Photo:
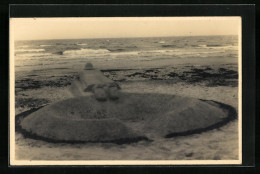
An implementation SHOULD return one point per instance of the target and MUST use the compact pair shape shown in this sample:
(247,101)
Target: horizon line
(127,37)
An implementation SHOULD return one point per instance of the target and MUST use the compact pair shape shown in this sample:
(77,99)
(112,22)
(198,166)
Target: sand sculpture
(93,80)
(112,116)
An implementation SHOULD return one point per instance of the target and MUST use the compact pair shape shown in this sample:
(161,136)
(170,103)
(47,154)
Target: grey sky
(70,28)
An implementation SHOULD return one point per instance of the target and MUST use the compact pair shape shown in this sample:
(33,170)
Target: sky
(81,28)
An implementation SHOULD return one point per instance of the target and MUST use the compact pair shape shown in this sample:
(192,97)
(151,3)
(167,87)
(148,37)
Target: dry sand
(216,82)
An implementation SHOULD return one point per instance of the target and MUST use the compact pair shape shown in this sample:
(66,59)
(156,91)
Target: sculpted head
(88,66)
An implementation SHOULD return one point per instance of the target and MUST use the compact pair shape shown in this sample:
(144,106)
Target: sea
(33,54)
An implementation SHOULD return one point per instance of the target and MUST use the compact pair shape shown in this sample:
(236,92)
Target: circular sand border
(231,115)
(27,134)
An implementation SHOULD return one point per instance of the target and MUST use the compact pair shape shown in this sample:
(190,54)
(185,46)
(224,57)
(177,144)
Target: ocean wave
(45,45)
(160,42)
(125,53)
(225,47)
(170,46)
(97,54)
(58,43)
(179,52)
(80,44)
(24,46)
(85,51)
(122,49)
(28,55)
(30,50)
(166,52)
(214,45)
(116,50)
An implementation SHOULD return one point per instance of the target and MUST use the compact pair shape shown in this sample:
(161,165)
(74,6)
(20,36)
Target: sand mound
(132,116)
(49,124)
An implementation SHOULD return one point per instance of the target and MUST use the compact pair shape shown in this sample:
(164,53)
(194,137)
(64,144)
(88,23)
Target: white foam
(45,45)
(228,47)
(30,50)
(24,46)
(81,44)
(85,52)
(125,53)
(30,55)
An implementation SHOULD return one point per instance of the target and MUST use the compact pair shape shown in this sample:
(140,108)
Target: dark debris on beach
(31,102)
(37,82)
(219,77)
(210,76)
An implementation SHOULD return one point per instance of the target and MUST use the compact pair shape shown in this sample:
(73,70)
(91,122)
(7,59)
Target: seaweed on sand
(222,77)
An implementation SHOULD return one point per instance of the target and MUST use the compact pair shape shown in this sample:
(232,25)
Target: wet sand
(218,82)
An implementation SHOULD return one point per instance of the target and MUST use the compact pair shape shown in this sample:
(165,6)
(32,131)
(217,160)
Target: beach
(216,81)
(201,67)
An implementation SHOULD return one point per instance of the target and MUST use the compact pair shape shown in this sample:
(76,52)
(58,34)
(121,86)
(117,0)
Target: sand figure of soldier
(93,80)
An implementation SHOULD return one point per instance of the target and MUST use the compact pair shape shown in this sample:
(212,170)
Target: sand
(216,82)
(132,116)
